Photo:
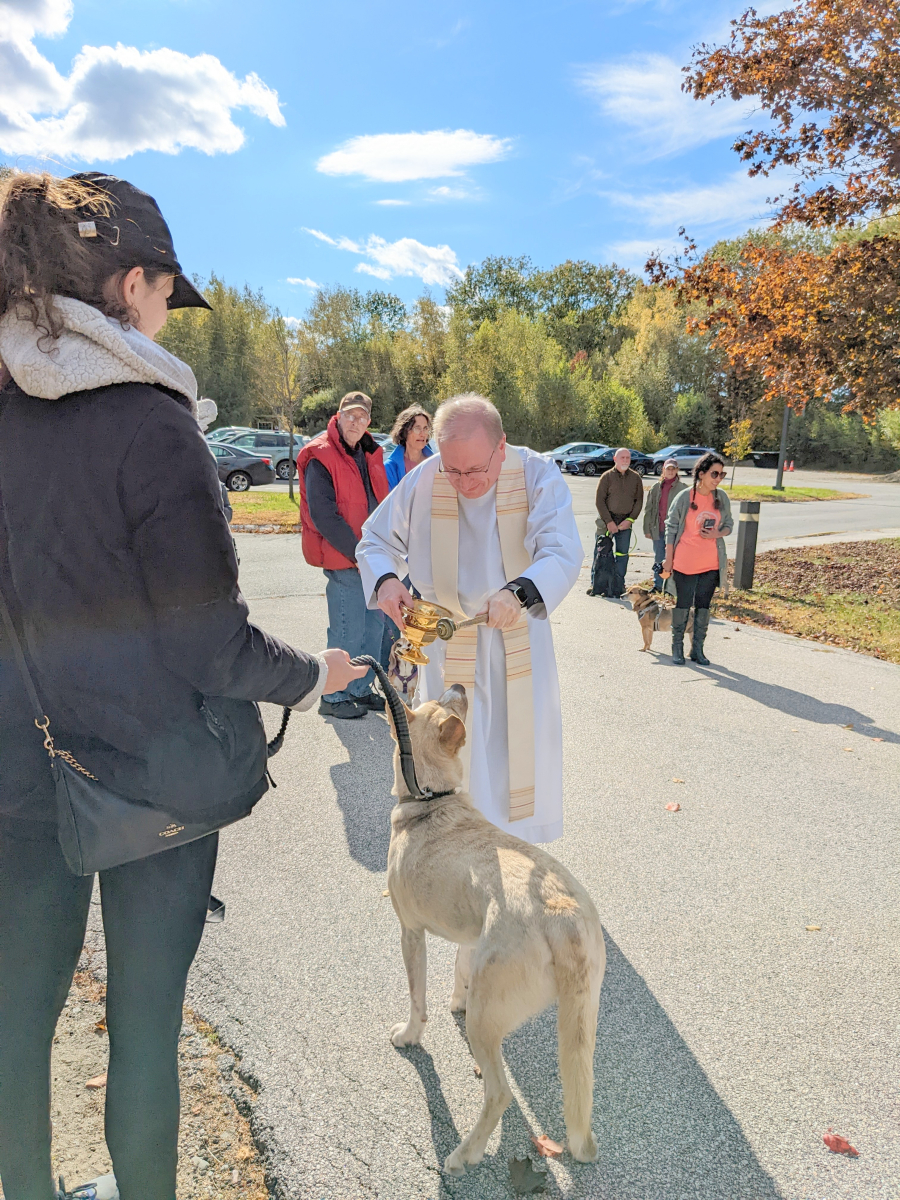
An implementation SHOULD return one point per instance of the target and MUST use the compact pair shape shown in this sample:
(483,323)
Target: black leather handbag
(98,829)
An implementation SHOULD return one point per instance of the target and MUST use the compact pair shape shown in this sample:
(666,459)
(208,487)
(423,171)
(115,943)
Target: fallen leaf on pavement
(877,739)
(385,892)
(546,1146)
(99,1081)
(814,929)
(524,1179)
(197,1110)
(673,807)
(839,1145)
(675,779)
(847,726)
(848,749)
(101,1025)
(477,1070)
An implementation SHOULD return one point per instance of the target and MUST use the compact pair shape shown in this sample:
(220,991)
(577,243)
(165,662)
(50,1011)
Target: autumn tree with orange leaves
(824,321)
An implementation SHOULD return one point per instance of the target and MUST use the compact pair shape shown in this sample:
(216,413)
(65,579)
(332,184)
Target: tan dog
(653,615)
(527,931)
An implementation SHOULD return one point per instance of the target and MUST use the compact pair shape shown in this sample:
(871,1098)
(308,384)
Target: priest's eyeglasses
(476,471)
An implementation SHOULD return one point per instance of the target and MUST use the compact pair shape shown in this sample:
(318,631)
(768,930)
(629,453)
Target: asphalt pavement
(731,1037)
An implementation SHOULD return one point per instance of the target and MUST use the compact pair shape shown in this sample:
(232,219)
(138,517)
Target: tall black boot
(679,624)
(701,624)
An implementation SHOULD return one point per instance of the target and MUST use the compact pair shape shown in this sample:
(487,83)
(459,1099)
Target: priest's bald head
(472,444)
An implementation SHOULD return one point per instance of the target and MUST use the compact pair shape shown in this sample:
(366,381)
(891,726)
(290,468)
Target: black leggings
(153,916)
(695,591)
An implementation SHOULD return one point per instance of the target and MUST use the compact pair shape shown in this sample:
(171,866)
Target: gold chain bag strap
(98,829)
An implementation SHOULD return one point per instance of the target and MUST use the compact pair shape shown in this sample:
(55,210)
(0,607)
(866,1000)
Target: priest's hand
(391,595)
(503,610)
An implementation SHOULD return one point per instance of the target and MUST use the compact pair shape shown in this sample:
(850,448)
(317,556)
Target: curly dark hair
(42,255)
(700,469)
(405,421)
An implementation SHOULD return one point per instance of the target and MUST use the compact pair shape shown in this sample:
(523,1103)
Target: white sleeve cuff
(318,688)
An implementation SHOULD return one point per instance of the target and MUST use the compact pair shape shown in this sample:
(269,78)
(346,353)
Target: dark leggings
(695,591)
(153,916)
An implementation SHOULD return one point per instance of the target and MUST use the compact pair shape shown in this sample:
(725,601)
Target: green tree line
(579,351)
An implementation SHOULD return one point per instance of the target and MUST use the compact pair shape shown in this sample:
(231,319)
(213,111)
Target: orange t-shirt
(695,554)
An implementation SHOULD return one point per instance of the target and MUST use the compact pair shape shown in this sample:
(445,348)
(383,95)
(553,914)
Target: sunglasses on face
(716,474)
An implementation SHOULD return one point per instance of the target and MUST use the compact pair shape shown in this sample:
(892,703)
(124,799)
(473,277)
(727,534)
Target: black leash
(278,740)
(401,728)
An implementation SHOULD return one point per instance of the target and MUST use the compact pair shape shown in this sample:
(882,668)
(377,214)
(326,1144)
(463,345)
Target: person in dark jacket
(342,480)
(119,574)
(619,499)
(410,435)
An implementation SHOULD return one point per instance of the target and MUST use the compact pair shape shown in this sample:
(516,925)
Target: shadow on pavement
(663,1131)
(796,704)
(362,788)
(444,1135)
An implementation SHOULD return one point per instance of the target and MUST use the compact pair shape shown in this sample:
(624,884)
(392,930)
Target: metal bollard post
(745,556)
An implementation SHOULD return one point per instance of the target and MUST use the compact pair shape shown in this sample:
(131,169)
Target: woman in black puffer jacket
(118,569)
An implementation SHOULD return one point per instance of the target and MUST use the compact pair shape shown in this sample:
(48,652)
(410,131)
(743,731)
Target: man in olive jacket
(620,497)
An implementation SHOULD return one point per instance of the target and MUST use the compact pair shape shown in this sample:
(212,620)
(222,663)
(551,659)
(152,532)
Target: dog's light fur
(527,931)
(653,615)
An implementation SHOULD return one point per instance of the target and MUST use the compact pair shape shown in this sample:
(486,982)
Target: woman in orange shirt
(696,526)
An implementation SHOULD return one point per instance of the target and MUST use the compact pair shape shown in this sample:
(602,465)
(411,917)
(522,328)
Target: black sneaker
(371,701)
(344,710)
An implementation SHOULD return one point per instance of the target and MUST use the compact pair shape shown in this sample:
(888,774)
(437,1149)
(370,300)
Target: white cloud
(310,283)
(116,100)
(393,203)
(451,193)
(643,94)
(737,199)
(293,322)
(635,253)
(437,265)
(400,157)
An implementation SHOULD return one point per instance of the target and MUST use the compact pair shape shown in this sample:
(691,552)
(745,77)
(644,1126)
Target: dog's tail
(579,974)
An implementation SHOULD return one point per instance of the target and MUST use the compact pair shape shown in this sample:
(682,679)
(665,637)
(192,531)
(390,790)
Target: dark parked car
(687,456)
(599,461)
(270,443)
(239,470)
(765,458)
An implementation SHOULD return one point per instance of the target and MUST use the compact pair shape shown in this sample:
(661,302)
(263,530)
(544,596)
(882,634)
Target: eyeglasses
(458,476)
(716,474)
(356,415)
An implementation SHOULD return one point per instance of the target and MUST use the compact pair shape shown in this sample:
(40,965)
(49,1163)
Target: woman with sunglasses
(697,523)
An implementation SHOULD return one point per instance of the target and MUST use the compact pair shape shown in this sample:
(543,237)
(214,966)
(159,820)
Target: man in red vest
(342,480)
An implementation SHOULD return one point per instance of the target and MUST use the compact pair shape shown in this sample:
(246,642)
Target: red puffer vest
(349,492)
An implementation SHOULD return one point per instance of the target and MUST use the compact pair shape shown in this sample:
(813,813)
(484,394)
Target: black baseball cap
(135,234)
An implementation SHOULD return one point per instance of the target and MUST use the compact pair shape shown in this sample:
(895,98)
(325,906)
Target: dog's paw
(404,1035)
(584,1150)
(458,1002)
(455,1164)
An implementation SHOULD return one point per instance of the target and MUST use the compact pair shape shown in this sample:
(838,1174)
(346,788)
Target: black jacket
(117,563)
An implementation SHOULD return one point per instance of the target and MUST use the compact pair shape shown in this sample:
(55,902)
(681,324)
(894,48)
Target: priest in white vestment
(486,527)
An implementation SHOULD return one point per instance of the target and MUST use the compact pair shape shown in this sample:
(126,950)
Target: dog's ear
(453,734)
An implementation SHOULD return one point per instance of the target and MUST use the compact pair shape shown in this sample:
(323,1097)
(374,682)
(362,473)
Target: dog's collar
(427,795)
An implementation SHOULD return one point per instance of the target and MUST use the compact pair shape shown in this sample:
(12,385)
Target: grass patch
(844,594)
(748,492)
(265,508)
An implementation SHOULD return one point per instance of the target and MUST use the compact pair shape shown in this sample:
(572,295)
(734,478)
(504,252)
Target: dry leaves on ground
(673,807)
(839,1145)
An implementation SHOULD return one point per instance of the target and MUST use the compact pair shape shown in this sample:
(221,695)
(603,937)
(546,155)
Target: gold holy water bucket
(423,623)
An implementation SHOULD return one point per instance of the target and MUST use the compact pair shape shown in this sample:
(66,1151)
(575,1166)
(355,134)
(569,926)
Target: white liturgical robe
(397,537)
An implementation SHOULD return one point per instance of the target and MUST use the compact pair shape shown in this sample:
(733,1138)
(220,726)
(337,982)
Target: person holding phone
(697,523)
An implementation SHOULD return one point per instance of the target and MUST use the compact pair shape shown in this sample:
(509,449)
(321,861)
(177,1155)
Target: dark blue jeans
(659,556)
(353,627)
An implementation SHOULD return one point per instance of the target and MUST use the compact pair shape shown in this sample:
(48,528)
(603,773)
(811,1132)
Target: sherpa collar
(91,351)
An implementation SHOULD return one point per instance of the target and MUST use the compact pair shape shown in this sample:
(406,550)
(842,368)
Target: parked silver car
(563,452)
(686,456)
(271,443)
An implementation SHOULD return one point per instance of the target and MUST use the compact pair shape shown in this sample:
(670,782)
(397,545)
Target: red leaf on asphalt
(839,1145)
(546,1147)
(99,1081)
(673,807)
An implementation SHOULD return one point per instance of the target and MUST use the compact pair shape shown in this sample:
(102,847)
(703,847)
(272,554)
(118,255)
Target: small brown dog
(654,613)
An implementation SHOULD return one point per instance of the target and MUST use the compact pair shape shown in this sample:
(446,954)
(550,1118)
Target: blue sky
(383,144)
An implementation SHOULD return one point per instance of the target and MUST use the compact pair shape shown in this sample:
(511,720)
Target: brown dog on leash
(653,613)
